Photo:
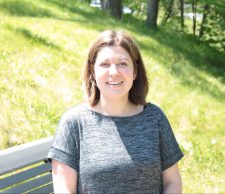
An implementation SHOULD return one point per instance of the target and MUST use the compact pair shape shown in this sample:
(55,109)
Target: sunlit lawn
(43,45)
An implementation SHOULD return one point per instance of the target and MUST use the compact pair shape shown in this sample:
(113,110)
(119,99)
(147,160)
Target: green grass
(43,45)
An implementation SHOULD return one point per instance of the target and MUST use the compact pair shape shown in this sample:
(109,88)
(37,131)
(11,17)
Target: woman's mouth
(114,83)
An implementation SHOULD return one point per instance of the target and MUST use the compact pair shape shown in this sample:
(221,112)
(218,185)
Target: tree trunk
(168,11)
(182,14)
(152,13)
(194,6)
(204,20)
(101,3)
(113,6)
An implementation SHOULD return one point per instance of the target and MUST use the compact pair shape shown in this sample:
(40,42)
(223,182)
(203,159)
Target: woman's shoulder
(153,107)
(75,112)
(154,110)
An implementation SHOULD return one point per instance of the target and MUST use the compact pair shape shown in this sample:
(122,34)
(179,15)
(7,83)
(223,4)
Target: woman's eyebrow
(105,60)
(123,58)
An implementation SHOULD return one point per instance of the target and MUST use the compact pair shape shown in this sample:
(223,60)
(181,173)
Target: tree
(168,6)
(204,20)
(194,11)
(138,8)
(152,13)
(213,24)
(113,6)
(182,14)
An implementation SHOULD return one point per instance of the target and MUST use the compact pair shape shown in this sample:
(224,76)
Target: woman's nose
(113,70)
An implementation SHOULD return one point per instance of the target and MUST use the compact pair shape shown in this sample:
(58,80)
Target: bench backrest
(25,169)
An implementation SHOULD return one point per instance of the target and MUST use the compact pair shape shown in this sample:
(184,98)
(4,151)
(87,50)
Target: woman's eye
(123,64)
(104,65)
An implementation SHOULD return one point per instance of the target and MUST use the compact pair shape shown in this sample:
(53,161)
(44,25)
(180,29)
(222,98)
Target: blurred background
(44,43)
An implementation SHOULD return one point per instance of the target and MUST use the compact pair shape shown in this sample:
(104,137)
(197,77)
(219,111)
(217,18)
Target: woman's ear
(134,77)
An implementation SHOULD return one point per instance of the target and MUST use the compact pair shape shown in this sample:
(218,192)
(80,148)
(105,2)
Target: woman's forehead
(112,52)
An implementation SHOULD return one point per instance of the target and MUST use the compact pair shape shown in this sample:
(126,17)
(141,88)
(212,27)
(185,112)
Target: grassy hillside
(43,45)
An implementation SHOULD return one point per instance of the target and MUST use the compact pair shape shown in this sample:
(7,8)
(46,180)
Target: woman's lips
(114,83)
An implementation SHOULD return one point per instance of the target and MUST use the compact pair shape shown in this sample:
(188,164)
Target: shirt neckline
(118,117)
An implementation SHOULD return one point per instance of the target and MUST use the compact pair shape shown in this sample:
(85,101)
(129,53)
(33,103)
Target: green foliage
(213,33)
(214,27)
(43,45)
(138,8)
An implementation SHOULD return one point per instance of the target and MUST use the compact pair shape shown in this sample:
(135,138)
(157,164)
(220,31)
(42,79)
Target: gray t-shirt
(116,154)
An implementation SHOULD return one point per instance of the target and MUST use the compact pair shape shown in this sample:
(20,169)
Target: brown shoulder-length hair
(139,89)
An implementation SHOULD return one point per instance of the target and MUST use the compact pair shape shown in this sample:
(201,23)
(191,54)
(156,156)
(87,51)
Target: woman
(116,142)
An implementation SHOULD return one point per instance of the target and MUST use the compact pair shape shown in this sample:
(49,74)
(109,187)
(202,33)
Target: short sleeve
(65,146)
(169,148)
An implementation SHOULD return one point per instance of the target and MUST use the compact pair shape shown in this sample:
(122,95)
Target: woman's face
(114,72)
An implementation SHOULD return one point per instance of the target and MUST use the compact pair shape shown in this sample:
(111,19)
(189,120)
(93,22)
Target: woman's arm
(64,178)
(172,182)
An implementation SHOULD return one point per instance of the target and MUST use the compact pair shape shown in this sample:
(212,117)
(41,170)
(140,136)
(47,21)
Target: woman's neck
(117,108)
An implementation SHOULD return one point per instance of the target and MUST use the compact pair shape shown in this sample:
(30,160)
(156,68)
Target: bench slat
(46,189)
(23,155)
(25,175)
(27,186)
